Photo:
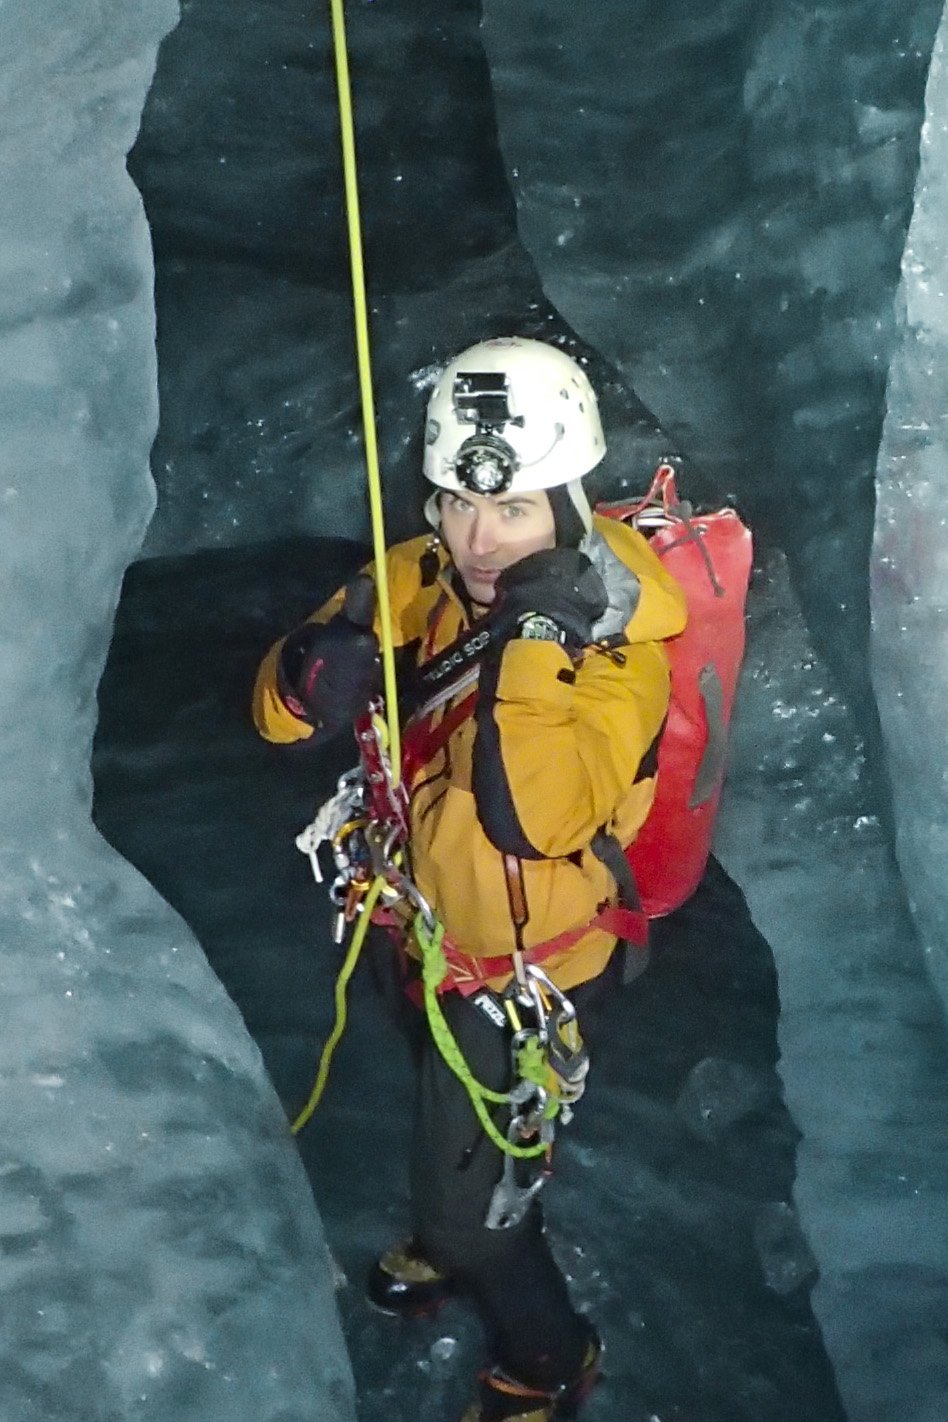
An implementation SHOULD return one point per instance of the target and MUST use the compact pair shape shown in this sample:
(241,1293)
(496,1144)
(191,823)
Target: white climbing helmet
(511,413)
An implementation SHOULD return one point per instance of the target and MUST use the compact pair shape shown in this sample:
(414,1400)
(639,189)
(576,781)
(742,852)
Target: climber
(520,799)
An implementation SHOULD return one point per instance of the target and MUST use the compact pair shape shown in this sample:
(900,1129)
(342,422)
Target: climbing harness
(362,822)
(539,1095)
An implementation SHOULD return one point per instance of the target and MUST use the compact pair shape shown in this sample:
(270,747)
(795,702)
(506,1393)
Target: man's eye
(514,510)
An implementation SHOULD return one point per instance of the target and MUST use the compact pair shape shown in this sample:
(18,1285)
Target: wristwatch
(537,627)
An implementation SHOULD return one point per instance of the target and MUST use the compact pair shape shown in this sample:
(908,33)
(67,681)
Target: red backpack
(709,555)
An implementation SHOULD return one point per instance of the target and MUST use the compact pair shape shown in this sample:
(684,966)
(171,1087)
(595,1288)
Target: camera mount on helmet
(485,463)
(511,414)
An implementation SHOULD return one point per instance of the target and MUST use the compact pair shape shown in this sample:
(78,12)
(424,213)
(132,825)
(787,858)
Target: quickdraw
(365,824)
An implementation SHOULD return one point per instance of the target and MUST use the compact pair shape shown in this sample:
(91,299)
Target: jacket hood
(646,604)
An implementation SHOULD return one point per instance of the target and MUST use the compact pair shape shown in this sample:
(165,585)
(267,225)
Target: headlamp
(485,463)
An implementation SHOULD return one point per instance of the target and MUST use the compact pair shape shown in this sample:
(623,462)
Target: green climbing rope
(433,970)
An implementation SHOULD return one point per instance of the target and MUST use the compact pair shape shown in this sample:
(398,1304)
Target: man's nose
(483,539)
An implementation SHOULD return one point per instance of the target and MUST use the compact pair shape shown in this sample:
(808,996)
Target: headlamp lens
(486,464)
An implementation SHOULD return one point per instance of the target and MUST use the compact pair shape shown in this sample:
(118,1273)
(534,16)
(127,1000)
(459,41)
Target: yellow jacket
(559,751)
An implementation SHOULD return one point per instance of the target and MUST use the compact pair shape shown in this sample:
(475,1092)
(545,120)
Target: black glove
(329,672)
(559,584)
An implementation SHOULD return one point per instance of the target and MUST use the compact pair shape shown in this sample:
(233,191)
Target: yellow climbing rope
(363,355)
(342,983)
(430,943)
(364,361)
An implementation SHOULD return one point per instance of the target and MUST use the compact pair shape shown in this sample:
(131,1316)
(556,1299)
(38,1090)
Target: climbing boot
(403,1282)
(502,1399)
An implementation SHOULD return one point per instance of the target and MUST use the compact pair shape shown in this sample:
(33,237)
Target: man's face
(485,533)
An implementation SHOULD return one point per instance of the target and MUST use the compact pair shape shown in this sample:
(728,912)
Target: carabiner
(538,978)
(410,891)
(510,1201)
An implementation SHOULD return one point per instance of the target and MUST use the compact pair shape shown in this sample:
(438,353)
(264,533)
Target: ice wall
(238,162)
(722,216)
(724,213)
(910,554)
(160,1256)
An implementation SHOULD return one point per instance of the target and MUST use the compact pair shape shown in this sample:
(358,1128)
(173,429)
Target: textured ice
(910,554)
(785,1256)
(260,432)
(659,1228)
(722,215)
(719,1093)
(160,1256)
(735,182)
(678,1239)
(862,1033)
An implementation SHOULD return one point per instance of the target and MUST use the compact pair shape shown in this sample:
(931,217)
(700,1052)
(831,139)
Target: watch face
(539,628)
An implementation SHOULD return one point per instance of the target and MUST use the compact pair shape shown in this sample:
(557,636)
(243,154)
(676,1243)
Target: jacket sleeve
(272,717)
(558,746)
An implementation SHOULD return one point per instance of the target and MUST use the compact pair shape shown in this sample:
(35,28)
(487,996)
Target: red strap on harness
(467,972)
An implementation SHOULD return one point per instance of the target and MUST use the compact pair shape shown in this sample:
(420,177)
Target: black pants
(535,1333)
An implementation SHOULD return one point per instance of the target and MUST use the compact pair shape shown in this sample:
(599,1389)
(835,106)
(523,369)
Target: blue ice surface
(863,1040)
(160,1255)
(909,570)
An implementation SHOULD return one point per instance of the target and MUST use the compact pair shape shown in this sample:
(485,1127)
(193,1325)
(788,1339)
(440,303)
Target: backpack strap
(635,920)
(422,741)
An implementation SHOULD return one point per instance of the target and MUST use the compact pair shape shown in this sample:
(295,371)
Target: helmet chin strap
(432,510)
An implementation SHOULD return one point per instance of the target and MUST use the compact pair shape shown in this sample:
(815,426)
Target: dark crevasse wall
(160,1254)
(238,161)
(711,206)
(835,100)
(689,186)
(723,216)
